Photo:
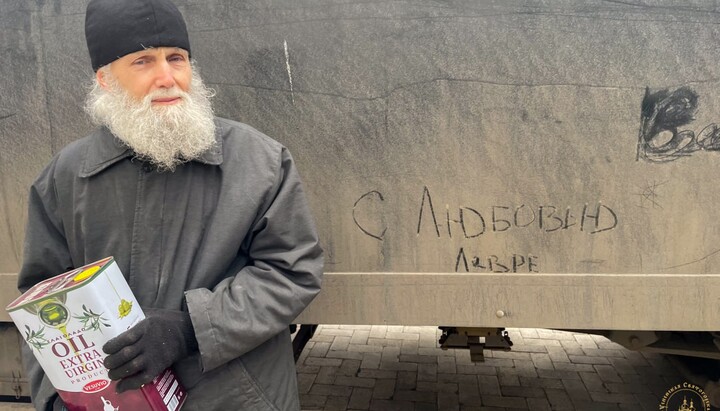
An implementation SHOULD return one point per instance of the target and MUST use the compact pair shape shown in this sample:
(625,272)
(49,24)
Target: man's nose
(164,76)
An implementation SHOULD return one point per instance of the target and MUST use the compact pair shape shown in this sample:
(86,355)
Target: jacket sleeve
(283,276)
(45,254)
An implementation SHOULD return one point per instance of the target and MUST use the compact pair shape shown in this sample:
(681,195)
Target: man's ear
(100,75)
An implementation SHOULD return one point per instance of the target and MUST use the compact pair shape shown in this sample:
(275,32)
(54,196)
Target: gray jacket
(229,234)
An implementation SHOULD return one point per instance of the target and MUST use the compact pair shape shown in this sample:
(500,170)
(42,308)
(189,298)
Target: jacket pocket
(254,393)
(228,387)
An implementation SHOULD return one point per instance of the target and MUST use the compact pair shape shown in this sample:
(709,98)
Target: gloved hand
(144,351)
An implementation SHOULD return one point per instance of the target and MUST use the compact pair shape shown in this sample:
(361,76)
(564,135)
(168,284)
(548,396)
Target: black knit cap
(114,28)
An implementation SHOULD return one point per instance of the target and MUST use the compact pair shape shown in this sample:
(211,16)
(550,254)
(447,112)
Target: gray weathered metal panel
(685,302)
(507,112)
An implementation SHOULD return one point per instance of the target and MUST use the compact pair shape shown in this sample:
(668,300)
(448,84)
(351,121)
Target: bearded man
(206,218)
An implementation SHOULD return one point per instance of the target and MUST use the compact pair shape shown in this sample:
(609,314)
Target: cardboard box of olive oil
(67,319)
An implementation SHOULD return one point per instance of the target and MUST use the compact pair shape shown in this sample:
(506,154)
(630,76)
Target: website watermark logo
(685,397)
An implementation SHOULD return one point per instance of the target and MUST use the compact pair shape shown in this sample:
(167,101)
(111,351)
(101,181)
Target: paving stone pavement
(400,368)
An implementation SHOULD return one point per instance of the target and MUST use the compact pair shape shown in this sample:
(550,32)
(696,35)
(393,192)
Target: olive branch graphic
(91,320)
(36,338)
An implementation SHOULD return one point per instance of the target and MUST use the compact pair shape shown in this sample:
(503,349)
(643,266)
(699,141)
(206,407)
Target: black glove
(144,351)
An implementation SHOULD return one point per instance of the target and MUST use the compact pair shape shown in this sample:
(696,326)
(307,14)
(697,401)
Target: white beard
(166,136)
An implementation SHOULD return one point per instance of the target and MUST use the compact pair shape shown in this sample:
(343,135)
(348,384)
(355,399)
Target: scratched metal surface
(401,114)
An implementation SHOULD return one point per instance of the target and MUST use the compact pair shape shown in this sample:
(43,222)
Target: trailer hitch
(470,337)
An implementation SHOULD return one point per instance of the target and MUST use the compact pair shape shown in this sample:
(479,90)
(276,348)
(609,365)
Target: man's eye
(139,62)
(177,58)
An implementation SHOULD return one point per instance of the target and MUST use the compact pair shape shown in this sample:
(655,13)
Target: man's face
(156,103)
(146,71)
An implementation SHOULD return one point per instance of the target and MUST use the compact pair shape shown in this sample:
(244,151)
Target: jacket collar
(105,150)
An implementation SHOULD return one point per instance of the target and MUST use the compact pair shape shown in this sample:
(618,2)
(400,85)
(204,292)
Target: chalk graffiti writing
(662,114)
(494,264)
(369,196)
(472,223)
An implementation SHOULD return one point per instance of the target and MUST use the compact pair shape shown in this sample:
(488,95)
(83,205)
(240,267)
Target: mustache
(173,92)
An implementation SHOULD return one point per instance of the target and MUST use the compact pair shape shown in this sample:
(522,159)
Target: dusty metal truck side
(471,164)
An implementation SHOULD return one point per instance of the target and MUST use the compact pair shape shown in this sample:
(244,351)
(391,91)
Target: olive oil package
(67,319)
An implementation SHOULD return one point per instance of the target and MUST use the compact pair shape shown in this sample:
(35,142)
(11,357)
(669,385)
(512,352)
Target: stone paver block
(541,382)
(425,406)
(585,341)
(326,375)
(499,362)
(542,342)
(593,382)
(557,354)
(384,342)
(355,328)
(360,337)
(448,401)
(409,347)
(437,386)
(383,389)
(559,400)
(446,365)
(355,381)
(340,343)
(507,402)
(581,359)
(628,388)
(529,332)
(390,354)
(427,372)
(323,362)
(320,349)
(378,331)
(337,332)
(613,397)
(305,382)
(597,352)
(406,380)
(538,404)
(377,374)
(568,366)
(415,396)
(365,348)
(336,403)
(541,349)
(527,392)
(576,390)
(349,367)
(513,355)
(370,360)
(607,373)
(312,402)
(622,366)
(436,351)
(344,355)
(386,405)
(398,366)
(508,379)
(475,369)
(420,359)
(458,378)
(334,390)
(360,398)
(489,384)
(542,361)
(307,369)
(560,374)
(402,336)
